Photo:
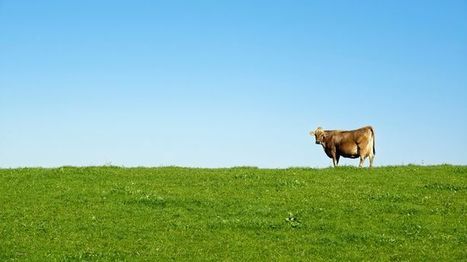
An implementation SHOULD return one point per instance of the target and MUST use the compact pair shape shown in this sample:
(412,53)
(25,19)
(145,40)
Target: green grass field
(239,214)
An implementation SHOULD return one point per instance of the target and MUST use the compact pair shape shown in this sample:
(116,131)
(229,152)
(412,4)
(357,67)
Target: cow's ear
(312,133)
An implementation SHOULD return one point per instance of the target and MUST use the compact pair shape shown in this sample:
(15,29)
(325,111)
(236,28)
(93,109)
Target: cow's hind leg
(371,160)
(362,158)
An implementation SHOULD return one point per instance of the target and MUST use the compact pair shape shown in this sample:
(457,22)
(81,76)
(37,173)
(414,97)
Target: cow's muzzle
(317,142)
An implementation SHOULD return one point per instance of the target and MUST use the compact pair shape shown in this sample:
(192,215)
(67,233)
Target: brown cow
(350,144)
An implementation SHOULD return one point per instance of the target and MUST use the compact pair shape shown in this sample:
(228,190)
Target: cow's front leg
(335,159)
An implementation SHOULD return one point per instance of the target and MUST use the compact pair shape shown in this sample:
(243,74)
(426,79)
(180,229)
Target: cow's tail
(373,134)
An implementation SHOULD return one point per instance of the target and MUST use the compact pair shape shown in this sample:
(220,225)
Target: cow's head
(319,135)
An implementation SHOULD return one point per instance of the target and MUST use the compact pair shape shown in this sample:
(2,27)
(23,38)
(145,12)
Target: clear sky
(229,83)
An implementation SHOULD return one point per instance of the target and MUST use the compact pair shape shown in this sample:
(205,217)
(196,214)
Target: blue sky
(229,83)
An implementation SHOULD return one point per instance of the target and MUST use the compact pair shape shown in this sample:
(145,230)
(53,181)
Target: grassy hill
(111,213)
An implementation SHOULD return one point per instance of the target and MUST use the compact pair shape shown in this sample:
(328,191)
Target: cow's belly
(349,150)
(350,156)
